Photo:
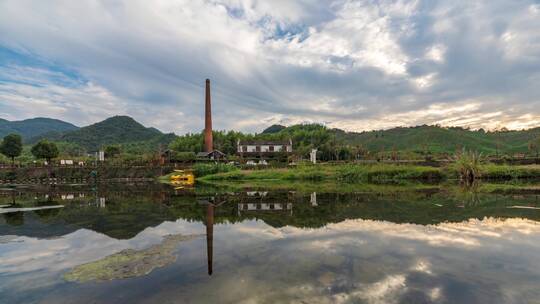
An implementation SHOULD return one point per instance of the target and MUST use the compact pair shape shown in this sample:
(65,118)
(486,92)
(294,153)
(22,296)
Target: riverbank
(376,173)
(80,174)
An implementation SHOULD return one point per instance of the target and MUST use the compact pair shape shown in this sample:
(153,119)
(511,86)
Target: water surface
(154,244)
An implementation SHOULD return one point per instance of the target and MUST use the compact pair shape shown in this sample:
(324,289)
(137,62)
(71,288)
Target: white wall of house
(263,148)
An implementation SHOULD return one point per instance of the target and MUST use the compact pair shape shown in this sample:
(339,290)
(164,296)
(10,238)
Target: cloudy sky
(357,65)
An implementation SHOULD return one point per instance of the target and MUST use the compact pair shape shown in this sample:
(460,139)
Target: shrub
(183,156)
(468,165)
(201,169)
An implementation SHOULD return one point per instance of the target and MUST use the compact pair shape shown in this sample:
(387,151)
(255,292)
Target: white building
(263,148)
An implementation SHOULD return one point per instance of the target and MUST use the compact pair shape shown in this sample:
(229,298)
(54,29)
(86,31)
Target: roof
(205,154)
(264,142)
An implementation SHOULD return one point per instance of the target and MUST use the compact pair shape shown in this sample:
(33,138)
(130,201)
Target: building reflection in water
(256,201)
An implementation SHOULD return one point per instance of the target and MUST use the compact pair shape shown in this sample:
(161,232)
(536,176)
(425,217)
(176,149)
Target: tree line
(304,137)
(334,144)
(12,147)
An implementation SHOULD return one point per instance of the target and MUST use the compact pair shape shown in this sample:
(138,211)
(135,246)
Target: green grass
(203,169)
(346,173)
(506,172)
(385,173)
(376,173)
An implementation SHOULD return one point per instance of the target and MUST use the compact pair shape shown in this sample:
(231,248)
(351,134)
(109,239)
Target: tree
(45,149)
(11,146)
(534,146)
(112,151)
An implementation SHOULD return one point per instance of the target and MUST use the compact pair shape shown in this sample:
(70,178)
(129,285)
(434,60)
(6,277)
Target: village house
(263,149)
(213,155)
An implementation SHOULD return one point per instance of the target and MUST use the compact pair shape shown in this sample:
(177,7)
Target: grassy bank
(506,172)
(376,173)
(347,173)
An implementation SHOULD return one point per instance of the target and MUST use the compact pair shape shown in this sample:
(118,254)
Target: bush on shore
(203,169)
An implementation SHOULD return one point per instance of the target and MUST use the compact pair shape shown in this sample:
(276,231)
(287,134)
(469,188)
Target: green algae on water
(129,263)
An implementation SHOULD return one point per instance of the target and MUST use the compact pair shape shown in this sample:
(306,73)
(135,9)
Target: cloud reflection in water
(352,261)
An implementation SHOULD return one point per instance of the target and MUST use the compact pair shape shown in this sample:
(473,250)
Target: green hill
(419,139)
(442,140)
(117,130)
(273,129)
(30,128)
(339,144)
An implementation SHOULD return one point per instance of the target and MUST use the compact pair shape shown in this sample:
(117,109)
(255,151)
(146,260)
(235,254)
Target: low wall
(80,175)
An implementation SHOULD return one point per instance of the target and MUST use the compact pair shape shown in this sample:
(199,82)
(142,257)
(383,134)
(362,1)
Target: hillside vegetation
(405,142)
(442,140)
(29,128)
(117,130)
(332,144)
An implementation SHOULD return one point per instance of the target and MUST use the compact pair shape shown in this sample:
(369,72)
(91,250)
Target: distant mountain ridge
(111,131)
(434,139)
(33,127)
(273,129)
(136,138)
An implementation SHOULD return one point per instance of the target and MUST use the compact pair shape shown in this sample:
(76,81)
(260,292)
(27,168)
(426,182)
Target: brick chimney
(208,140)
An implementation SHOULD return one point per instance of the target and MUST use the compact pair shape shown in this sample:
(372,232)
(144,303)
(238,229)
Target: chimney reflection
(210,235)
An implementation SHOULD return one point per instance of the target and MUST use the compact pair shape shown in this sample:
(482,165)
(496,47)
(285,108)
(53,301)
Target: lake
(152,243)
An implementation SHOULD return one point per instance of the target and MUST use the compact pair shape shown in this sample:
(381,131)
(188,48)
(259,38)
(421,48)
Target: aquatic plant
(468,165)
(129,263)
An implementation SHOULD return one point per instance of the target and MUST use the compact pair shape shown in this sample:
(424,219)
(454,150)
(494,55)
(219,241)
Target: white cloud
(31,93)
(436,52)
(343,62)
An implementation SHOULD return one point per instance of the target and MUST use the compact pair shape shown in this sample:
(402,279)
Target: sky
(351,64)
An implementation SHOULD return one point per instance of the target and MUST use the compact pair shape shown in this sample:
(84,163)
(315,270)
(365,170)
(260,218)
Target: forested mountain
(339,144)
(273,129)
(332,143)
(117,130)
(33,127)
(443,140)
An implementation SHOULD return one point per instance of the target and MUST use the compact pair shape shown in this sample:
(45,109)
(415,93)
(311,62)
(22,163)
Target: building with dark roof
(213,155)
(263,149)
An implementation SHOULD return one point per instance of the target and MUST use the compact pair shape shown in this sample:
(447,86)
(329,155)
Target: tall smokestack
(208,141)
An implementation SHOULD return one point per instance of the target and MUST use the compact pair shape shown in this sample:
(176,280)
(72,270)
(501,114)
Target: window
(271,148)
(244,148)
(258,149)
